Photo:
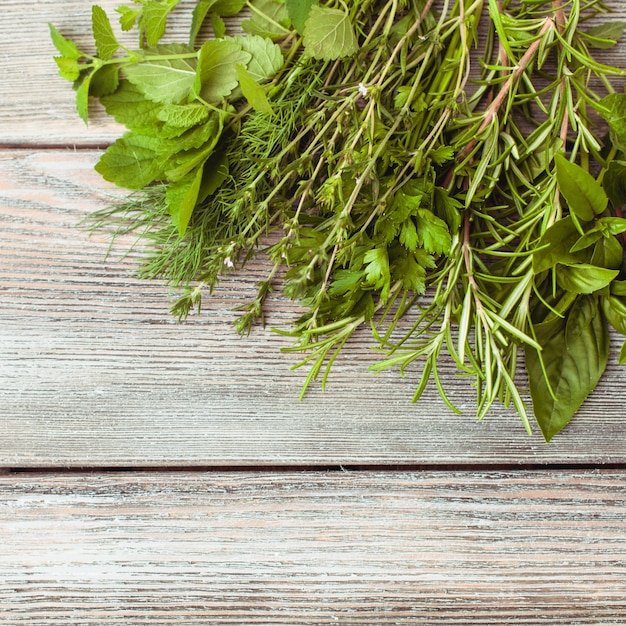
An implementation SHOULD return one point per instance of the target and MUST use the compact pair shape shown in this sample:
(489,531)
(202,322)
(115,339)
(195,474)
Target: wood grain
(28,70)
(523,548)
(95,372)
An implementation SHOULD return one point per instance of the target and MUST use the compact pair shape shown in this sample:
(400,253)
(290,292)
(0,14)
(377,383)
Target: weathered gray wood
(37,106)
(523,548)
(94,371)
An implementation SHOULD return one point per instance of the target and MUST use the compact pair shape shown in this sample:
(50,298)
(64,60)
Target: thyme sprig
(395,176)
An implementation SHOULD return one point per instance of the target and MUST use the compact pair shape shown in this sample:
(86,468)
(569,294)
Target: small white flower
(228,263)
(363,90)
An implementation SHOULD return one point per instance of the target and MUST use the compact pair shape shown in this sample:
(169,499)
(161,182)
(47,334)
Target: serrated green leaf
(266,58)
(328,34)
(216,170)
(216,76)
(181,198)
(218,25)
(432,232)
(82,98)
(377,270)
(412,274)
(68,68)
(105,81)
(217,9)
(183,115)
(106,42)
(168,81)
(154,19)
(298,11)
(128,17)
(66,47)
(129,106)
(252,91)
(408,235)
(574,363)
(613,109)
(584,194)
(132,161)
(268,18)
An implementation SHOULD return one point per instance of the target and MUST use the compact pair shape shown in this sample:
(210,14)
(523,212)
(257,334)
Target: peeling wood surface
(523,548)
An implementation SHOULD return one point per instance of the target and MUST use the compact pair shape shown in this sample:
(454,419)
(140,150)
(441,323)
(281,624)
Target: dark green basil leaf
(583,277)
(608,253)
(614,309)
(584,194)
(556,246)
(574,358)
(614,183)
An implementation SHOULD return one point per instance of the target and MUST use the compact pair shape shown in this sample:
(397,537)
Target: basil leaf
(614,183)
(584,194)
(614,309)
(583,277)
(574,359)
(556,246)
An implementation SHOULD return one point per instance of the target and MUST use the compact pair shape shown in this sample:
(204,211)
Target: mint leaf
(66,47)
(154,19)
(298,11)
(68,68)
(268,19)
(574,357)
(132,161)
(328,34)
(252,91)
(217,8)
(216,171)
(584,194)
(105,81)
(183,115)
(169,81)
(216,76)
(128,17)
(266,57)
(106,43)
(82,98)
(181,198)
(129,106)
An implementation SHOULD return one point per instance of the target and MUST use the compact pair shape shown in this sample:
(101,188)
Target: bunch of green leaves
(346,143)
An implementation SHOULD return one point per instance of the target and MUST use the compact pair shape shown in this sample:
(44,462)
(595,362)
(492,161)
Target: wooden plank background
(226,527)
(523,548)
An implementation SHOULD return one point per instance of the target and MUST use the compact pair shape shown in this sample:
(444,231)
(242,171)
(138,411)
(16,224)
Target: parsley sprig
(464,205)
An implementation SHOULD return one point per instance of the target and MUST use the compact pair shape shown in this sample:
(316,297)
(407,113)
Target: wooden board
(523,548)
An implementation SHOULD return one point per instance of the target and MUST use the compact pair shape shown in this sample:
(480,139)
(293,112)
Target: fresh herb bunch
(395,177)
